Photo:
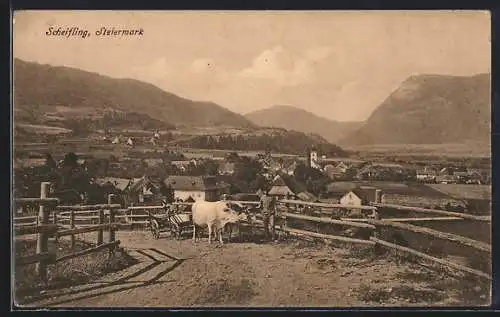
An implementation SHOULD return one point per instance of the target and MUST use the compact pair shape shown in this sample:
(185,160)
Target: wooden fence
(47,225)
(374,223)
(93,218)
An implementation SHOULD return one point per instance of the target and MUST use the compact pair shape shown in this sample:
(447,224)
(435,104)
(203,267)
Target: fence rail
(390,245)
(72,220)
(434,233)
(433,211)
(46,225)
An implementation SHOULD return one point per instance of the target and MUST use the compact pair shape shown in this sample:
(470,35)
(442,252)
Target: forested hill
(68,92)
(287,142)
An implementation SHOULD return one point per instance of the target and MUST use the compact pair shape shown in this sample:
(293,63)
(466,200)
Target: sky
(339,65)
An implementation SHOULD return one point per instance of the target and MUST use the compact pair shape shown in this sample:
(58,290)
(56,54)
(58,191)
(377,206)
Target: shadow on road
(124,281)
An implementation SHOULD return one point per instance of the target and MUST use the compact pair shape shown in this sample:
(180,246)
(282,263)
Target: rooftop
(191,183)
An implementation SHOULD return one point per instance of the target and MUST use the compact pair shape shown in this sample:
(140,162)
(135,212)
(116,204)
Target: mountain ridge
(52,86)
(294,118)
(430,109)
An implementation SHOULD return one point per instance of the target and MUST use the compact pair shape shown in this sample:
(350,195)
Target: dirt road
(173,273)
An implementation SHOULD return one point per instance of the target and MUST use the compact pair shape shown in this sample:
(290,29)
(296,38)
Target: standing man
(268,211)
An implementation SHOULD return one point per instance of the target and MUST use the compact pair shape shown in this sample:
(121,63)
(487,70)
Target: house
(153,162)
(359,196)
(195,187)
(461,177)
(121,184)
(226,168)
(426,174)
(386,172)
(181,165)
(143,190)
(334,172)
(446,179)
(130,142)
(116,140)
(355,198)
(445,171)
(336,190)
(274,165)
(286,187)
(306,196)
(343,167)
(290,169)
(280,189)
(477,176)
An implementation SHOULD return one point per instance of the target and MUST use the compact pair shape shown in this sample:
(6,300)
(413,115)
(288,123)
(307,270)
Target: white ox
(214,215)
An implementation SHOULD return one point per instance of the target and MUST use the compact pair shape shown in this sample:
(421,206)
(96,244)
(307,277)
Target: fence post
(101,222)
(42,245)
(54,220)
(72,226)
(111,220)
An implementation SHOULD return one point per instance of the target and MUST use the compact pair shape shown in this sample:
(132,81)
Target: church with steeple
(312,158)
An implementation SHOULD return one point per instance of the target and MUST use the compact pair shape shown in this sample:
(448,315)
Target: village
(151,171)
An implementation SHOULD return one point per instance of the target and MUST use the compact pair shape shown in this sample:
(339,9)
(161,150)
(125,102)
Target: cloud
(285,68)
(202,65)
(319,53)
(154,71)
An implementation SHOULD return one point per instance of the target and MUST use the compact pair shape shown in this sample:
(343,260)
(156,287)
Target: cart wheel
(155,229)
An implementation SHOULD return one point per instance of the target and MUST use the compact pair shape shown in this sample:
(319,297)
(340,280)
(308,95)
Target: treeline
(290,142)
(113,119)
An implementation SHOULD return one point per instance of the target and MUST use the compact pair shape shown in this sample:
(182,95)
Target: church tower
(312,158)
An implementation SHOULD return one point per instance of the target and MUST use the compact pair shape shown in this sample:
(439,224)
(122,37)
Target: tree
(50,162)
(70,160)
(167,191)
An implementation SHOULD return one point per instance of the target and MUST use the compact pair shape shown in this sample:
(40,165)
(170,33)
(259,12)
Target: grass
(430,284)
(223,291)
(470,149)
(72,272)
(401,293)
(462,191)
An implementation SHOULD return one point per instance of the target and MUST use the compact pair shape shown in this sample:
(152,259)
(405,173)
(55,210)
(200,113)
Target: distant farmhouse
(134,191)
(285,187)
(226,168)
(411,194)
(359,196)
(194,188)
(184,165)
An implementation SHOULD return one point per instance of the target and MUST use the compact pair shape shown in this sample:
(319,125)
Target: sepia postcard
(184,159)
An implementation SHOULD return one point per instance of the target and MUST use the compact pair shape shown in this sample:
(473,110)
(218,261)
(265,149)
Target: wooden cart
(175,223)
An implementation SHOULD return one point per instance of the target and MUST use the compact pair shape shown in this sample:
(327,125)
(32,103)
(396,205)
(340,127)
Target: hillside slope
(430,109)
(293,118)
(275,140)
(64,90)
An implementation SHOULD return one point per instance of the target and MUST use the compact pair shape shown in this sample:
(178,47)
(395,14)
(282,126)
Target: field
(464,191)
(43,129)
(104,150)
(468,150)
(251,274)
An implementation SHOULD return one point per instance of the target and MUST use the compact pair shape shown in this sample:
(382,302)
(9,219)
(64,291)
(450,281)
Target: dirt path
(173,273)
